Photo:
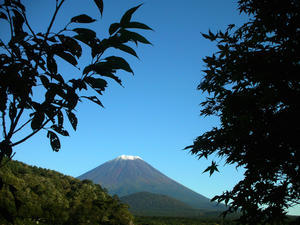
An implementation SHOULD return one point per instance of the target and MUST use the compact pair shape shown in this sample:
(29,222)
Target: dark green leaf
(212,168)
(60,118)
(70,45)
(73,119)
(94,99)
(113,28)
(126,48)
(99,4)
(137,25)
(60,130)
(119,63)
(85,32)
(51,64)
(83,18)
(68,57)
(104,69)
(18,21)
(12,111)
(54,141)
(128,14)
(85,39)
(37,120)
(132,36)
(78,83)
(88,69)
(97,83)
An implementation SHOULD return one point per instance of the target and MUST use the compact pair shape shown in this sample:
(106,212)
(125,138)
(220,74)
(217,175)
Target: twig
(30,135)
(22,126)
(53,18)
(10,22)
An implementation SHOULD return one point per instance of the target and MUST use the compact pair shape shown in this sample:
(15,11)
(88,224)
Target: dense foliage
(33,92)
(253,84)
(29,195)
(150,204)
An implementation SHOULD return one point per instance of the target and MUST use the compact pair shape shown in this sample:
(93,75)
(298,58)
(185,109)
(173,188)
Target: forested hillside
(149,204)
(31,195)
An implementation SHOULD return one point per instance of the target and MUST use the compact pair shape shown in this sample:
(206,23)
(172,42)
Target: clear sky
(157,113)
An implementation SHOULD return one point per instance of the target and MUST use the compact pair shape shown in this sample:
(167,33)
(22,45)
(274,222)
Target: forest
(31,195)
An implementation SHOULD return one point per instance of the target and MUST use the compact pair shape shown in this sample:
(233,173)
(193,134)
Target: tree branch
(53,18)
(22,126)
(30,135)
(14,123)
(10,22)
(27,23)
(37,130)
(4,125)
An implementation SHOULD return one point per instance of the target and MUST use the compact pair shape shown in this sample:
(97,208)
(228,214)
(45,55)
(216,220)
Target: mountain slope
(149,204)
(130,174)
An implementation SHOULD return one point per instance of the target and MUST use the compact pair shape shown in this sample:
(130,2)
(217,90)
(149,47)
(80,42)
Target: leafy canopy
(254,87)
(28,67)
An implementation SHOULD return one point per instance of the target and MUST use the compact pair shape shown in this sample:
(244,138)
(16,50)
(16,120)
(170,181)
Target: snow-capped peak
(128,157)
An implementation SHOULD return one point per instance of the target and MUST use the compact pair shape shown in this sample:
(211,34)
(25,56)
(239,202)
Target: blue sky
(157,113)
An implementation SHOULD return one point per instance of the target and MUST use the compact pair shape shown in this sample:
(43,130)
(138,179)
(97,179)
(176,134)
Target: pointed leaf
(99,4)
(85,32)
(60,130)
(54,141)
(12,111)
(127,49)
(37,120)
(128,14)
(129,35)
(70,45)
(68,57)
(73,119)
(138,25)
(51,64)
(119,63)
(113,28)
(97,83)
(83,18)
(93,99)
(60,118)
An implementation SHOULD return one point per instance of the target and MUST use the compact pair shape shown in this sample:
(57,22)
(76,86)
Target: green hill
(31,195)
(149,204)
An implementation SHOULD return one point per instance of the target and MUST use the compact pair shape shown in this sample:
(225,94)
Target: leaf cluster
(253,85)
(32,89)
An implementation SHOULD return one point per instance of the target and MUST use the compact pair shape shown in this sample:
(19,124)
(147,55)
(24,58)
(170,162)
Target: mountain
(149,204)
(126,175)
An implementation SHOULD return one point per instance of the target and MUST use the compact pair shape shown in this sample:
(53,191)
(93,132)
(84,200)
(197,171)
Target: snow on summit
(128,157)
